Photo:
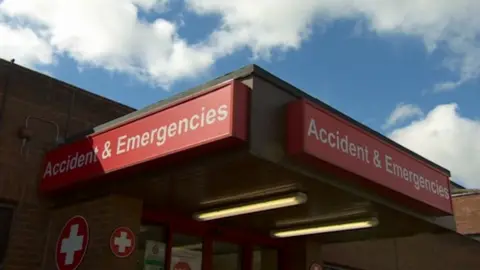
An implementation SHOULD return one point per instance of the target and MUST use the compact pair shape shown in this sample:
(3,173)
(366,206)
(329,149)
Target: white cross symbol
(72,244)
(122,242)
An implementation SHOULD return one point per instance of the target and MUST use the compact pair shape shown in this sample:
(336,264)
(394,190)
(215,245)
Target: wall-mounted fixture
(26,133)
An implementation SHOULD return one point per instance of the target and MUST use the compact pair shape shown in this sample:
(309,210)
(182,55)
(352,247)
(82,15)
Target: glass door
(172,243)
(265,259)
(226,256)
(151,247)
(186,252)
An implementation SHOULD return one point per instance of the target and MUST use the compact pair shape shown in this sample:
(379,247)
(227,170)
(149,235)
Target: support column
(103,215)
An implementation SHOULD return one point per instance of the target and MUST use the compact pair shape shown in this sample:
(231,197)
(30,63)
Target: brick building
(87,183)
(466,205)
(46,111)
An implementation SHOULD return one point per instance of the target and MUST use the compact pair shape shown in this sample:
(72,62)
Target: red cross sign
(72,244)
(122,242)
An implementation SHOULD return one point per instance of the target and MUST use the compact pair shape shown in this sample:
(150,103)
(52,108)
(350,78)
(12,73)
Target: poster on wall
(154,258)
(183,259)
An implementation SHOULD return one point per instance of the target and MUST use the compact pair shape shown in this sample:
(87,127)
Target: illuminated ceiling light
(247,208)
(347,226)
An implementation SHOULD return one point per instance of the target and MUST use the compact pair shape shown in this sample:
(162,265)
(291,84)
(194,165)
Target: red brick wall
(73,110)
(467,213)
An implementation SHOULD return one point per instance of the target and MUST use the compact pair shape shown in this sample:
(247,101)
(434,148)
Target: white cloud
(24,45)
(110,34)
(447,138)
(452,26)
(401,113)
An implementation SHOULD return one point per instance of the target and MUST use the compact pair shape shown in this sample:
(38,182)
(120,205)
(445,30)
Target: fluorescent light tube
(274,203)
(354,225)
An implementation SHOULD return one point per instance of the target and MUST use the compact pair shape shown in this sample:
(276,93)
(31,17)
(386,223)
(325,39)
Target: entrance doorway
(167,241)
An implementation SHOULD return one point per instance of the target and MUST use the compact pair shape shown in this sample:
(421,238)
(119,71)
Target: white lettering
(55,168)
(222,113)
(202,117)
(194,122)
(133,142)
(211,116)
(80,161)
(419,182)
(120,144)
(48,170)
(388,164)
(72,164)
(172,129)
(312,129)
(145,139)
(345,144)
(152,137)
(323,135)
(63,166)
(130,142)
(331,140)
(182,126)
(161,136)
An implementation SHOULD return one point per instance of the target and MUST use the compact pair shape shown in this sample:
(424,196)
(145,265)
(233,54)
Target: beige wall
(423,252)
(103,215)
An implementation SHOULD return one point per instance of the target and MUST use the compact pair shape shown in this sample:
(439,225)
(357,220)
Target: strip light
(354,225)
(279,202)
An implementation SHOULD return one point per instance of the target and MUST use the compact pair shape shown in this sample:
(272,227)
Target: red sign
(315,266)
(181,266)
(122,242)
(219,114)
(315,132)
(72,244)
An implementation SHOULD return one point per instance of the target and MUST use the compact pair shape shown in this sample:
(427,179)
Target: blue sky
(372,60)
(363,76)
